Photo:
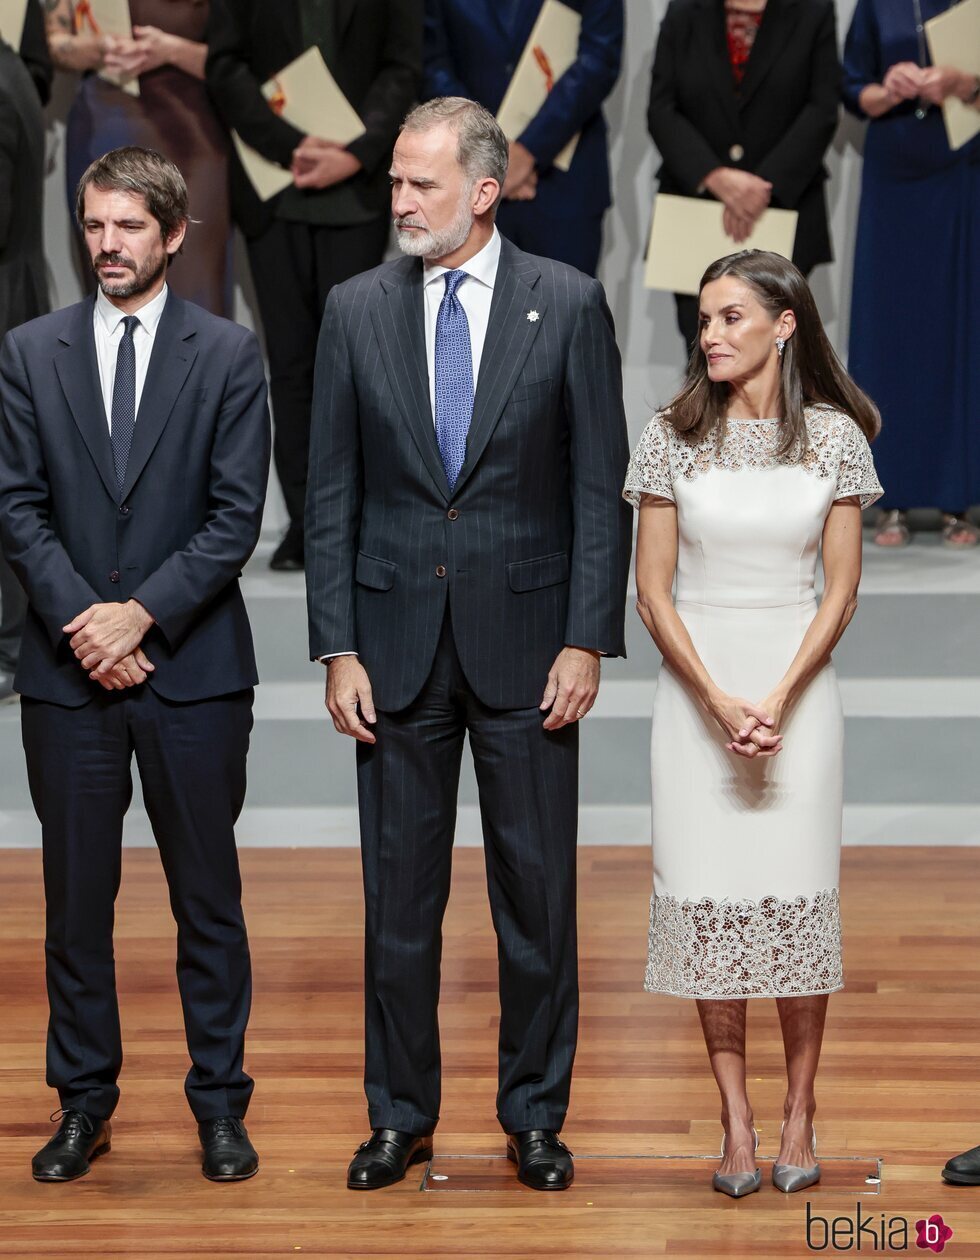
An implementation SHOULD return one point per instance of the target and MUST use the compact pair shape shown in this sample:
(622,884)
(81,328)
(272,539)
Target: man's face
(432,197)
(124,242)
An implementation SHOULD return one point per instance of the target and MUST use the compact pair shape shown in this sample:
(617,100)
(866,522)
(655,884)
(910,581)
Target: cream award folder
(12,16)
(687,234)
(108,17)
(551,48)
(954,40)
(306,94)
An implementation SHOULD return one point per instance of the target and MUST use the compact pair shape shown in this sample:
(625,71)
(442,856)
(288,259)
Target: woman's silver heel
(737,1185)
(790,1177)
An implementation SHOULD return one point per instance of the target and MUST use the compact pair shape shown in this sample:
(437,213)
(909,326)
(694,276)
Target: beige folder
(954,40)
(551,48)
(107,17)
(12,15)
(687,235)
(306,94)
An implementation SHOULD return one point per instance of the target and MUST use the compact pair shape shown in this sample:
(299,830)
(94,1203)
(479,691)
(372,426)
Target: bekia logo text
(867,1232)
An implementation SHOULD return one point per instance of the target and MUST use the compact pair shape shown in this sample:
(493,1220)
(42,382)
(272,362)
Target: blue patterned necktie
(124,399)
(454,378)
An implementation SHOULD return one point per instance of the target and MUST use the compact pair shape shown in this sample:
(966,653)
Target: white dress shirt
(475,295)
(108,321)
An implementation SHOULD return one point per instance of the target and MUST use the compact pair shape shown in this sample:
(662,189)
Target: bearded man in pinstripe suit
(468,552)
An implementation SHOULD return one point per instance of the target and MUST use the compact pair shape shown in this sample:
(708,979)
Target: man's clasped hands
(106,641)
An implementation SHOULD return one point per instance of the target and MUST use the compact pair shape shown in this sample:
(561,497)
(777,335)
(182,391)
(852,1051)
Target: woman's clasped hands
(751,730)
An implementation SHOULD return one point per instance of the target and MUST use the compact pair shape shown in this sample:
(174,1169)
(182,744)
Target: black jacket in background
(34,50)
(374,52)
(782,119)
(23,277)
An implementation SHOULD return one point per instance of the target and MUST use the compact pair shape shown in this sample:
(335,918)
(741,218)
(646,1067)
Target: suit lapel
(399,321)
(171,359)
(776,25)
(713,34)
(77,368)
(510,335)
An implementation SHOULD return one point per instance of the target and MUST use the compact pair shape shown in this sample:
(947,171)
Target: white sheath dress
(746,854)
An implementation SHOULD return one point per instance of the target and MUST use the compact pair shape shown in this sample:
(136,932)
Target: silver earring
(780,345)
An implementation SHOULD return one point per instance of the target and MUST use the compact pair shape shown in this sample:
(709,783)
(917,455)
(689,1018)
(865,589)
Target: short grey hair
(481,146)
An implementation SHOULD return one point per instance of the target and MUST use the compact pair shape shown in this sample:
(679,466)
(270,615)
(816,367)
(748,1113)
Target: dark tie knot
(130,323)
(453,280)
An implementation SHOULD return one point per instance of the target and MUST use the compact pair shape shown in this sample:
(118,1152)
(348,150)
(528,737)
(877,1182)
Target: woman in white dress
(760,463)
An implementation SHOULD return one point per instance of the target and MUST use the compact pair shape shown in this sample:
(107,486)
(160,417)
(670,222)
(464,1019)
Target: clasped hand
(106,641)
(751,730)
(319,163)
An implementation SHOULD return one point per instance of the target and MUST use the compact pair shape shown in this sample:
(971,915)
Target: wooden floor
(900,1080)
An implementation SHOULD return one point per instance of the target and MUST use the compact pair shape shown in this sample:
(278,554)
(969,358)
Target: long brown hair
(810,371)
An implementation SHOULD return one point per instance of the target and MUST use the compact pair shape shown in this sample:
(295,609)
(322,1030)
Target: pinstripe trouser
(407,790)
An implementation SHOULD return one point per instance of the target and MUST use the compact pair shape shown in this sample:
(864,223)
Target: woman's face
(738,335)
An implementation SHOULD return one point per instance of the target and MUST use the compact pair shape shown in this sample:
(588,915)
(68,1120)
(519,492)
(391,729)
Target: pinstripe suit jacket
(531,548)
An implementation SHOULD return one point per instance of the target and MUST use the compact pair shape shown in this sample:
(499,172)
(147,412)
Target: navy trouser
(191,760)
(407,789)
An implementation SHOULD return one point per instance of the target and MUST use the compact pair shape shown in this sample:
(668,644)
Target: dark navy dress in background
(916,265)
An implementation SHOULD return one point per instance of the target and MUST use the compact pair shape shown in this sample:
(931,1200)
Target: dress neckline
(761,420)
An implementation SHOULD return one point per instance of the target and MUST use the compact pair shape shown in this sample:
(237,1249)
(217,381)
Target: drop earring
(780,345)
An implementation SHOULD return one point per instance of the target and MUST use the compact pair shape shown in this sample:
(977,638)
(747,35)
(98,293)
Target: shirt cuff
(332,655)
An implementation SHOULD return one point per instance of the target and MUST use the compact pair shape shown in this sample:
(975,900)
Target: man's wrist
(143,616)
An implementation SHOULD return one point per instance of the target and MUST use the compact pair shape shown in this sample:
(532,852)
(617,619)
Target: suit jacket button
(453,514)
(114,575)
(736,153)
(440,570)
(124,510)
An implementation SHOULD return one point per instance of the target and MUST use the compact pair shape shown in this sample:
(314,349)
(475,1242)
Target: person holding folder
(472,48)
(333,222)
(744,101)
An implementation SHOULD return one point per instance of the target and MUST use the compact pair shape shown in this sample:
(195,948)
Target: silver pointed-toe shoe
(738,1185)
(791,1177)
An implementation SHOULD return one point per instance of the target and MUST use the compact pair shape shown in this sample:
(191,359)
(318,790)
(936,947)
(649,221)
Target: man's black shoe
(80,1138)
(228,1154)
(543,1161)
(963,1170)
(288,556)
(385,1158)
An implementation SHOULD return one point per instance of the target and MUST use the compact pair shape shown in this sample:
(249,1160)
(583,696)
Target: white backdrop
(652,348)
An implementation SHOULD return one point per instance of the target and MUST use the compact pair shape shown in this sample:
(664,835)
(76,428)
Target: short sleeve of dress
(856,475)
(649,467)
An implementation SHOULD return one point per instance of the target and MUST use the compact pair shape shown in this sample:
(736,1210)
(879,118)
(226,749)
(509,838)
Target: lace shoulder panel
(850,461)
(650,470)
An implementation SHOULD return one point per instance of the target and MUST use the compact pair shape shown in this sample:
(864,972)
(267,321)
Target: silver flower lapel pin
(533,317)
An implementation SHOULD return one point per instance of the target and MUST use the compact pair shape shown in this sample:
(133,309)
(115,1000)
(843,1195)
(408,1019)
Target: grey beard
(430,244)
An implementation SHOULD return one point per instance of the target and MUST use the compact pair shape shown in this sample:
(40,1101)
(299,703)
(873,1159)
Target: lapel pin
(533,317)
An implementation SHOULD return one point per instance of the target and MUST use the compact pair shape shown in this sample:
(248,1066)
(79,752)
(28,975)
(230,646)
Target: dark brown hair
(144,173)
(810,370)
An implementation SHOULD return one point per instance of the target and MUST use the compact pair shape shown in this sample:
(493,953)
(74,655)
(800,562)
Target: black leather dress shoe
(228,1154)
(543,1161)
(386,1157)
(288,556)
(963,1170)
(80,1138)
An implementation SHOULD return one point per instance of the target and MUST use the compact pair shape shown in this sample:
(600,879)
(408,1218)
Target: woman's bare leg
(723,1025)
(802,1020)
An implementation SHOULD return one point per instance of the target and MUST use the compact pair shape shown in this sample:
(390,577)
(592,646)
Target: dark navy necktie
(454,378)
(124,399)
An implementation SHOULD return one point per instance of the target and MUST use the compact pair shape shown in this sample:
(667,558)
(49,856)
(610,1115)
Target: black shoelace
(75,1122)
(227,1129)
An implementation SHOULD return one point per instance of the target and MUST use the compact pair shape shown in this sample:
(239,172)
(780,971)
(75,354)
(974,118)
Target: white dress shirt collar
(148,315)
(482,266)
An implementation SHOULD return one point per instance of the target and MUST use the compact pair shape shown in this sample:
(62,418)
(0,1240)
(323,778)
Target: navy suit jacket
(472,48)
(531,547)
(177,534)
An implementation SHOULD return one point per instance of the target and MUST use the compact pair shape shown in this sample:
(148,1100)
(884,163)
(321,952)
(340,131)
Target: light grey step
(598,824)
(302,761)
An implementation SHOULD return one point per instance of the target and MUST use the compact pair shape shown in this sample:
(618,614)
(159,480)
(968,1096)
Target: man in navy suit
(469,550)
(471,49)
(134,453)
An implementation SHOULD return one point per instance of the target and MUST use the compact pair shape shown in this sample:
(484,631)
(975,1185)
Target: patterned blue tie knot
(453,280)
(130,323)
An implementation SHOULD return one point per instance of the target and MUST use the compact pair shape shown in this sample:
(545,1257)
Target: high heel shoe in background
(737,1185)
